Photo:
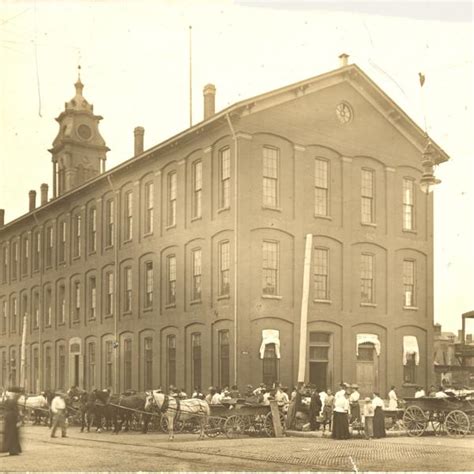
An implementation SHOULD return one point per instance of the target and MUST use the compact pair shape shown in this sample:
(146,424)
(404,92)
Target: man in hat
(58,409)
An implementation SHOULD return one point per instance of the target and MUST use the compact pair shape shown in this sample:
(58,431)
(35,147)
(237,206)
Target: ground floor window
(224,359)
(171,360)
(409,369)
(319,345)
(127,364)
(270,365)
(148,360)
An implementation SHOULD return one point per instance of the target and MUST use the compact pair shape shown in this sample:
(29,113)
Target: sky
(134,58)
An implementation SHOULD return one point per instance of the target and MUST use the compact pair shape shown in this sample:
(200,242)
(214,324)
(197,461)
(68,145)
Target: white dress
(392,400)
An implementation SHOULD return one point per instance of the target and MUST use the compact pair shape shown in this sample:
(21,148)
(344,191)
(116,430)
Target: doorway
(366,369)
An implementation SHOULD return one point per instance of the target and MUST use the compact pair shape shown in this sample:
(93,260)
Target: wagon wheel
(457,424)
(178,425)
(415,421)
(235,426)
(214,427)
(268,424)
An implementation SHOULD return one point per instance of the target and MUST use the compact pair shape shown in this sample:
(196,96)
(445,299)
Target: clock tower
(79,151)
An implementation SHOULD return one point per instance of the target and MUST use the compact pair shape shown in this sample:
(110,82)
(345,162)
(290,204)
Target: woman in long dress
(11,435)
(340,426)
(392,399)
(379,418)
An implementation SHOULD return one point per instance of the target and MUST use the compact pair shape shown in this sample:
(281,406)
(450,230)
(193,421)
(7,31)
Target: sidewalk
(327,434)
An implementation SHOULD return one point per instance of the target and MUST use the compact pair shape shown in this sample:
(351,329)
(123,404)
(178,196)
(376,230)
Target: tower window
(109,223)
(171,220)
(270,177)
(77,224)
(92,230)
(149,207)
(171,280)
(270,267)
(367,197)
(197,189)
(224,182)
(128,217)
(321,189)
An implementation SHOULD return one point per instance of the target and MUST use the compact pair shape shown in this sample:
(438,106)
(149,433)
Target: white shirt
(281,397)
(216,399)
(441,394)
(266,398)
(392,400)
(377,402)
(340,393)
(322,396)
(420,393)
(368,409)
(342,405)
(354,397)
(58,404)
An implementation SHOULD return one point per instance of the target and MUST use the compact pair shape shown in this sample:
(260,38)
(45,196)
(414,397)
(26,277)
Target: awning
(370,338)
(410,347)
(270,336)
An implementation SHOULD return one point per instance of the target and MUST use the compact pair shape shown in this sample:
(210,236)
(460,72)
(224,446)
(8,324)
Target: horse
(175,409)
(125,406)
(37,404)
(82,403)
(102,409)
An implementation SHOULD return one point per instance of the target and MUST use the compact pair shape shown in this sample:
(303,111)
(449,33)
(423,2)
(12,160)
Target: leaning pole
(23,352)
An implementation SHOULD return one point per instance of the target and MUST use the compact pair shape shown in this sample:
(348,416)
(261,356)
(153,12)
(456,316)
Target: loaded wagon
(451,415)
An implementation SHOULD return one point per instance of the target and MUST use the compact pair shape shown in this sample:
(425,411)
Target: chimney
(2,217)
(343,60)
(468,338)
(32,195)
(437,328)
(139,134)
(209,100)
(460,335)
(44,194)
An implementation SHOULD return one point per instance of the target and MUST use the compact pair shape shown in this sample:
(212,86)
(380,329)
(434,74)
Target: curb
(327,435)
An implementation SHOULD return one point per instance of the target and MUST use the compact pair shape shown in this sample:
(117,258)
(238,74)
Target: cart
(452,415)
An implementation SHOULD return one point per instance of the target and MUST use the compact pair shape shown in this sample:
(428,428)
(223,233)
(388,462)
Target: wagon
(453,415)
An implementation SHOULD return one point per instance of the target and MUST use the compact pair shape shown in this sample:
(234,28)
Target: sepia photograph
(236,236)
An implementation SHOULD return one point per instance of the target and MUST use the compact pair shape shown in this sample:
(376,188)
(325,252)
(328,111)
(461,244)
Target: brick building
(184,264)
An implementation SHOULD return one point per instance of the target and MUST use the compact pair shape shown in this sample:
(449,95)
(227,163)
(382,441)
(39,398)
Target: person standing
(354,401)
(340,427)
(420,393)
(379,418)
(314,410)
(328,409)
(11,433)
(392,399)
(368,418)
(58,408)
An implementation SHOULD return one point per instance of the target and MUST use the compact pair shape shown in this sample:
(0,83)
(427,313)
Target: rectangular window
(367,197)
(13,315)
(409,369)
(127,296)
(62,242)
(149,189)
(270,268)
(48,307)
(36,309)
(270,177)
(4,381)
(171,280)
(109,223)
(224,268)
(109,361)
(92,362)
(14,260)
(61,305)
(367,278)
(4,264)
(408,204)
(319,345)
(47,366)
(224,184)
(36,250)
(49,246)
(197,274)
(4,317)
(197,189)
(127,364)
(93,230)
(26,256)
(77,236)
(62,367)
(408,283)
(35,381)
(171,220)
(171,359)
(77,302)
(321,274)
(109,293)
(148,303)
(196,359)
(148,361)
(92,298)
(224,358)
(321,188)
(23,311)
(128,216)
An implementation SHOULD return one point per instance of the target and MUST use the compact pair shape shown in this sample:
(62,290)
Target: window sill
(223,209)
(409,384)
(410,308)
(76,257)
(127,313)
(368,305)
(223,297)
(62,323)
(197,218)
(409,231)
(322,301)
(170,306)
(194,302)
(147,234)
(148,309)
(77,321)
(169,227)
(91,319)
(127,241)
(319,216)
(93,252)
(109,316)
(271,208)
(48,326)
(109,247)
(62,263)
(272,297)
(369,224)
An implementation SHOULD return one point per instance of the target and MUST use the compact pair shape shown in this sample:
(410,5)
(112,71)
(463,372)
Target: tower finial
(79,85)
(78,72)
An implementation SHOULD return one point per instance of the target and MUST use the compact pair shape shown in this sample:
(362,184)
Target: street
(153,452)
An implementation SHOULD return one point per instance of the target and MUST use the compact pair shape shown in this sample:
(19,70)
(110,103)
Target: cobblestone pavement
(137,452)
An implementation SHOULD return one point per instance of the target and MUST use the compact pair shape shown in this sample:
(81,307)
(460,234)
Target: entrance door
(318,374)
(366,369)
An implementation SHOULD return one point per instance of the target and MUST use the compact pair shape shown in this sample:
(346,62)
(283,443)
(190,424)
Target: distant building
(184,264)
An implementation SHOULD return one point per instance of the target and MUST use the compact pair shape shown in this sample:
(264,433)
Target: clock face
(344,113)
(84,131)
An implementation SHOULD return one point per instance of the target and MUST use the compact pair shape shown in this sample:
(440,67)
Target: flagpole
(23,352)
(190,78)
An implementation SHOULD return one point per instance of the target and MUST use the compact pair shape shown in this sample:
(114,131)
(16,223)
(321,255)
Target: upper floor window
(197,273)
(367,197)
(26,255)
(196,359)
(171,360)
(224,268)
(148,363)
(92,230)
(408,283)
(109,363)
(128,216)
(367,278)
(148,303)
(36,309)
(4,316)
(77,232)
(48,307)
(197,189)
(171,216)
(36,250)
(270,177)
(321,274)
(4,263)
(321,188)
(92,297)
(13,314)
(62,242)
(61,304)
(408,204)
(49,246)
(76,310)
(127,296)
(270,264)
(109,223)
(171,280)
(109,293)
(224,181)
(14,260)
(149,190)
